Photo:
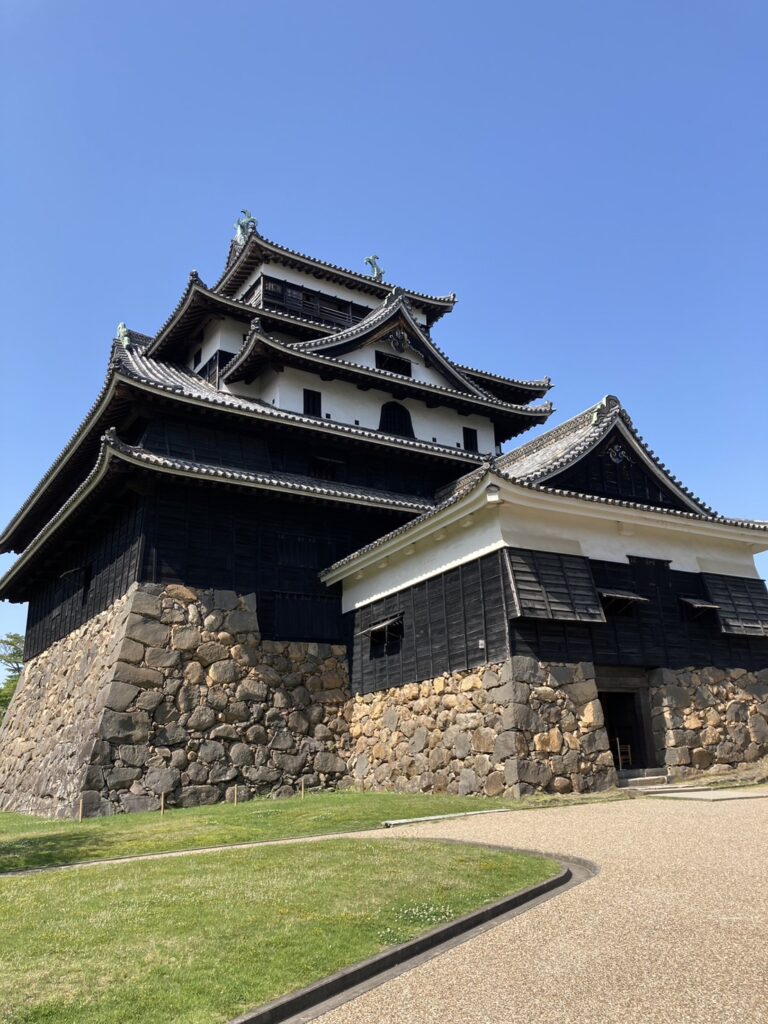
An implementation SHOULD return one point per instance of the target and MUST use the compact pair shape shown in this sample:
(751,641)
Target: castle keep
(290,546)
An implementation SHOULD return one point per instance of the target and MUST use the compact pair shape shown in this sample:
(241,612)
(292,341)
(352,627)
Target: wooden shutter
(742,604)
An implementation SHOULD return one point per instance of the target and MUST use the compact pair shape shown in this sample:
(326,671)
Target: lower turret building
(286,548)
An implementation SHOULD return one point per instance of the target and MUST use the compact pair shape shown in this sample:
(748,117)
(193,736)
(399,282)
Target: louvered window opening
(546,585)
(742,604)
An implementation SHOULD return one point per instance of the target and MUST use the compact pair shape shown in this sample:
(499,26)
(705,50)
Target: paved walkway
(673,930)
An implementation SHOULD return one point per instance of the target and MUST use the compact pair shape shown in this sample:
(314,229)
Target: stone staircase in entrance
(642,778)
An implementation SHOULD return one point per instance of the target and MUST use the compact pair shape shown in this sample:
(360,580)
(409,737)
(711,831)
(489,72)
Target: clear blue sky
(589,177)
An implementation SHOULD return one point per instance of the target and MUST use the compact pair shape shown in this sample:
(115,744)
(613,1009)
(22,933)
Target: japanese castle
(291,526)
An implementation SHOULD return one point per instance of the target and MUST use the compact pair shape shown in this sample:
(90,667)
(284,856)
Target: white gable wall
(366,356)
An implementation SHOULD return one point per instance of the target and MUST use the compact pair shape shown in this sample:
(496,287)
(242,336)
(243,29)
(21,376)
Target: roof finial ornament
(376,271)
(604,406)
(245,225)
(123,335)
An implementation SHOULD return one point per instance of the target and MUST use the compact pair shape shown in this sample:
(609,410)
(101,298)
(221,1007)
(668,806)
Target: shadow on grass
(42,851)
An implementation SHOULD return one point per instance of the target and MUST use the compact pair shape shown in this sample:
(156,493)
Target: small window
(386,636)
(395,419)
(620,604)
(313,403)
(395,364)
(197,358)
(470,439)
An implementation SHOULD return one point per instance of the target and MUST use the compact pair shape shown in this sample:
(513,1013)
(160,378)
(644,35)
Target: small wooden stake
(302,787)
(162,803)
(80,811)
(235,794)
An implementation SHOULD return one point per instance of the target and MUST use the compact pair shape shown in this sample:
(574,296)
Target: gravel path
(673,929)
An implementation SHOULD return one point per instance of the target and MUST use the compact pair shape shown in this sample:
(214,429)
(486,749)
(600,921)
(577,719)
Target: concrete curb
(308,1003)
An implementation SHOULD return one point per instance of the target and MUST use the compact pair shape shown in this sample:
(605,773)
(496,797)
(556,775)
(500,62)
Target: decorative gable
(616,469)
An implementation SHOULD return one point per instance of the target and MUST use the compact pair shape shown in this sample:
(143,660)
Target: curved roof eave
(112,449)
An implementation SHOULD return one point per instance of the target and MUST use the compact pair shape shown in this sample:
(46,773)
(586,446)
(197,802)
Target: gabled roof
(558,449)
(260,348)
(114,453)
(509,389)
(243,260)
(527,467)
(395,309)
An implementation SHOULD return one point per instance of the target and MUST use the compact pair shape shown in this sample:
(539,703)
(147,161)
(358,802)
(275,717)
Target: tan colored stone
(548,742)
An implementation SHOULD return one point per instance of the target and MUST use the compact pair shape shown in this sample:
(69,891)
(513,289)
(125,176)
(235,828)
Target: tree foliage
(11,660)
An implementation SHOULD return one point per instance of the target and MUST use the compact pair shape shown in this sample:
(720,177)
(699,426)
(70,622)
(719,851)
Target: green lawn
(34,842)
(198,940)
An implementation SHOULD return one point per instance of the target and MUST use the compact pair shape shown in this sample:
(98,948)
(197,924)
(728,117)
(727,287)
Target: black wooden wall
(264,447)
(453,621)
(445,618)
(229,538)
(86,577)
(661,632)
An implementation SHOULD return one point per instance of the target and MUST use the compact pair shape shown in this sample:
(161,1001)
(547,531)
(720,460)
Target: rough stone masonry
(171,694)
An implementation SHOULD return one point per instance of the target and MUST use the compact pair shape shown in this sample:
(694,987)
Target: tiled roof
(557,449)
(112,448)
(270,479)
(536,385)
(179,380)
(255,240)
(133,364)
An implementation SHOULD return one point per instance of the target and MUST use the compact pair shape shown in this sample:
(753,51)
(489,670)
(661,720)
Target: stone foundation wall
(507,729)
(171,692)
(709,718)
(48,735)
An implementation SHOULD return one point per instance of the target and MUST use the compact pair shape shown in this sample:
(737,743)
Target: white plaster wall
(500,525)
(345,403)
(614,540)
(224,334)
(460,544)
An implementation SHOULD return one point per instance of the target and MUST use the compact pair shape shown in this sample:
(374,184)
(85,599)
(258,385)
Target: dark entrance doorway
(624,724)
(623,694)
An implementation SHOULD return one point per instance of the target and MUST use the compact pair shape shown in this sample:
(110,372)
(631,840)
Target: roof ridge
(363,278)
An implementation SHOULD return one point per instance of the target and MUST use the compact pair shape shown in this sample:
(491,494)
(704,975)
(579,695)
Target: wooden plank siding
(86,578)
(446,617)
(445,620)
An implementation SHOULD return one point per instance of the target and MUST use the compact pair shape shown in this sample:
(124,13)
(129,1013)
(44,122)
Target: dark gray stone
(329,764)
(120,727)
(147,631)
(210,750)
(118,696)
(197,796)
(202,718)
(521,717)
(161,780)
(241,754)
